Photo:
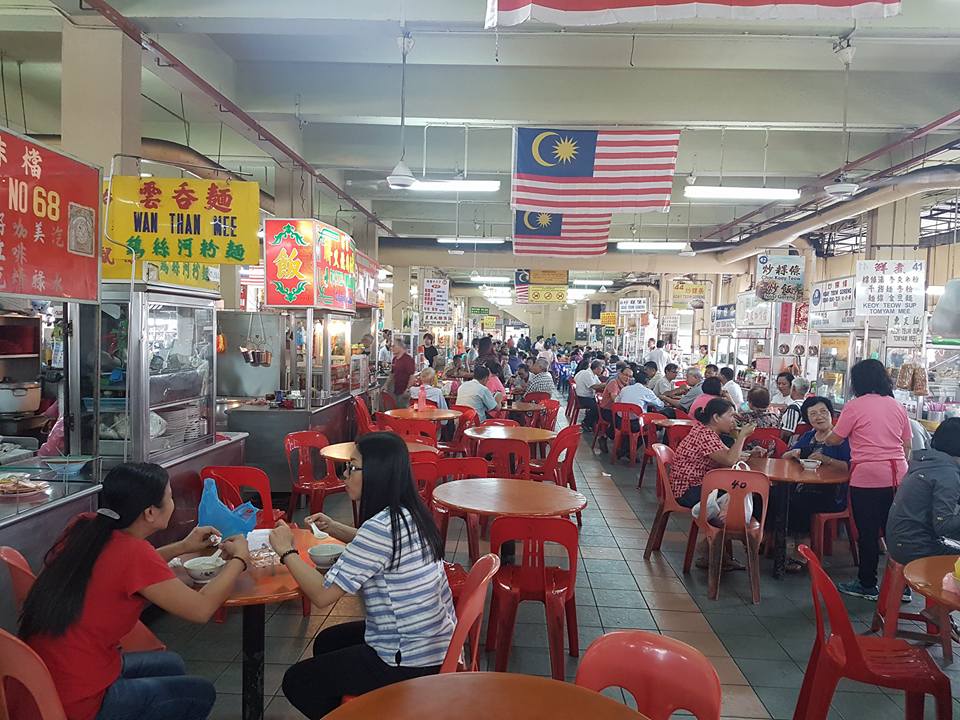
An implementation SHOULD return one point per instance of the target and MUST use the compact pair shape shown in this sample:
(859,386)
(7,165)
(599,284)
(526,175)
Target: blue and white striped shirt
(410,611)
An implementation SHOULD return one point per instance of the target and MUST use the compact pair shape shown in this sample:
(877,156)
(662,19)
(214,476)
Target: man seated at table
(541,381)
(640,395)
(434,394)
(610,393)
(790,417)
(684,399)
(711,370)
(731,388)
(518,381)
(588,384)
(474,393)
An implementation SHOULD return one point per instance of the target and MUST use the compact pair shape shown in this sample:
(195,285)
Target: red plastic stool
(822,528)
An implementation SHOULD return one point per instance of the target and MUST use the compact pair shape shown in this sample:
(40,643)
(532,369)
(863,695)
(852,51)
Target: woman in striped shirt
(393,561)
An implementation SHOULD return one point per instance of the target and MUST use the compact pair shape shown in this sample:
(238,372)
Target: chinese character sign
(210,222)
(436,297)
(368,279)
(288,248)
(890,288)
(833,295)
(336,269)
(632,305)
(608,319)
(905,332)
(724,319)
(753,312)
(115,264)
(49,222)
(780,277)
(687,295)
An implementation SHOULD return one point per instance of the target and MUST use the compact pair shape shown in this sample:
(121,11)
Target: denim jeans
(155,686)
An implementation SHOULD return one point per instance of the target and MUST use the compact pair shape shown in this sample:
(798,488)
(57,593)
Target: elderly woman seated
(428,378)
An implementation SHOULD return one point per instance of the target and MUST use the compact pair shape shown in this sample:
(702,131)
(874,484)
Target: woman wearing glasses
(393,561)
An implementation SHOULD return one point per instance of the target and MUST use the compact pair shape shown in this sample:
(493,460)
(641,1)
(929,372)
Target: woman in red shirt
(96,581)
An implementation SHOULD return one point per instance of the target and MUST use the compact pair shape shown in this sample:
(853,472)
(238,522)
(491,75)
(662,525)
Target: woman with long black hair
(96,581)
(394,562)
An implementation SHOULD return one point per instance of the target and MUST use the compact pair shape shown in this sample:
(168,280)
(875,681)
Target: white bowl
(324,556)
(810,464)
(203,569)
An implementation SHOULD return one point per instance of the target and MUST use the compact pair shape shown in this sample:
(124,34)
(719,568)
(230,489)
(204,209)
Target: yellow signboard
(608,319)
(549,277)
(687,295)
(116,266)
(210,222)
(548,293)
(490,322)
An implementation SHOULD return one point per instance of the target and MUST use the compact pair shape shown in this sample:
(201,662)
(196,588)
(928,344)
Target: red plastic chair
(387,401)
(506,458)
(649,432)
(881,661)
(772,443)
(536,397)
(573,406)
(466,635)
(681,414)
(802,428)
(767,433)
(738,484)
(302,478)
(27,691)
(676,434)
(140,639)
(823,526)
(558,465)
(499,422)
(623,413)
(662,674)
(533,579)
(424,431)
(461,469)
(666,502)
(548,419)
(425,474)
(599,429)
(458,444)
(365,422)
(239,477)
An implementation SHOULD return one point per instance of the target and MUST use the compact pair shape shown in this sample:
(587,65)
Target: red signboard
(368,280)
(289,263)
(336,269)
(49,222)
(786,317)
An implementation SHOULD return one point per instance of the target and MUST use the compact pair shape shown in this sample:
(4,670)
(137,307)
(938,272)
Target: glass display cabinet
(157,380)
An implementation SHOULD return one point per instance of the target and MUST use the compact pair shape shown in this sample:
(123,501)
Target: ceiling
(758,103)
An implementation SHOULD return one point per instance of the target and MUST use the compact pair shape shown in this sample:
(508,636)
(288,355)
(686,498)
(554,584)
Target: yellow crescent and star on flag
(564,148)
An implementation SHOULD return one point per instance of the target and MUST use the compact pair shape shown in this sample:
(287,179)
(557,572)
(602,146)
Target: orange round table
(504,496)
(524,407)
(253,591)
(434,414)
(926,577)
(498,432)
(483,695)
(670,422)
(342,452)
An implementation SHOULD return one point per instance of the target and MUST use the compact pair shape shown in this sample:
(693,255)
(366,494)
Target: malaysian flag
(544,233)
(594,171)
(611,12)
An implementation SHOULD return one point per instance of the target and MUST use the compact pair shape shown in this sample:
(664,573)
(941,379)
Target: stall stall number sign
(479,310)
(689,295)
(670,323)
(49,222)
(336,269)
(212,222)
(368,279)
(632,305)
(724,319)
(433,319)
(780,277)
(833,295)
(753,312)
(548,294)
(608,319)
(436,296)
(490,322)
(289,248)
(905,331)
(890,288)
(194,275)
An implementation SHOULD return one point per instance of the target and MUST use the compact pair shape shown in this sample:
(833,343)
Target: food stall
(752,340)
(723,326)
(311,282)
(49,290)
(368,320)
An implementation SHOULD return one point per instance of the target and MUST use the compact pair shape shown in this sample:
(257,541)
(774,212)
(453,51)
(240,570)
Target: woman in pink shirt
(879,433)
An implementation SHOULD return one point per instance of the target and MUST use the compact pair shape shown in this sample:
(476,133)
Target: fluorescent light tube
(730,192)
(651,245)
(490,278)
(456,186)
(595,283)
(471,240)
(386,286)
(936,290)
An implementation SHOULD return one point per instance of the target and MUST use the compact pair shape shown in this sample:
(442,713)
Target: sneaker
(907,596)
(603,445)
(855,589)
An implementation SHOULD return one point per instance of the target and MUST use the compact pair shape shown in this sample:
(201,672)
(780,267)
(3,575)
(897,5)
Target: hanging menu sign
(608,318)
(436,297)
(780,277)
(289,271)
(689,295)
(890,288)
(832,304)
(49,222)
(368,279)
(336,269)
(723,319)
(753,312)
(632,305)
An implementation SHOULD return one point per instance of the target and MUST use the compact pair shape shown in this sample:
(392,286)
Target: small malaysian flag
(545,233)
(594,171)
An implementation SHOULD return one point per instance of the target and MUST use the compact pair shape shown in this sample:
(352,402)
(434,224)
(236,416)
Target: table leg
(473,537)
(254,620)
(781,513)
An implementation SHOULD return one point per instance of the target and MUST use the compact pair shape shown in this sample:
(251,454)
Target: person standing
(429,349)
(460,346)
(879,433)
(658,355)
(587,384)
(401,370)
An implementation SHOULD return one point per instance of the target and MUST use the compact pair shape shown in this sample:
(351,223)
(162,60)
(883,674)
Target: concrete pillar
(401,294)
(230,286)
(294,192)
(100,105)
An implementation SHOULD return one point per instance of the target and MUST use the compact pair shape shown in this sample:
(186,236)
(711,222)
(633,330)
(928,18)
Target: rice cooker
(19,397)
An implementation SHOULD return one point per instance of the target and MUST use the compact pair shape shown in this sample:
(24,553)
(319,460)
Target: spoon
(317,532)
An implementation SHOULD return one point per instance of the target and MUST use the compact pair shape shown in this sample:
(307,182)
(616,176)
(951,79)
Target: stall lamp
(936,290)
(732,192)
(470,241)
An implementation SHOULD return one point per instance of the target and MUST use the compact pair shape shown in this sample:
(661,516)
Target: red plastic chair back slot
(499,422)
(424,431)
(664,675)
(466,635)
(462,468)
(536,397)
(676,434)
(508,458)
(425,474)
(245,476)
(27,691)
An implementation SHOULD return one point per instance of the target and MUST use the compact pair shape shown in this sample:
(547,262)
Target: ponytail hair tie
(107,512)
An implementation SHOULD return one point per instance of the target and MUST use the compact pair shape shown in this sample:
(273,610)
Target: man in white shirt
(731,388)
(658,355)
(539,344)
(474,393)
(587,386)
(791,414)
(640,394)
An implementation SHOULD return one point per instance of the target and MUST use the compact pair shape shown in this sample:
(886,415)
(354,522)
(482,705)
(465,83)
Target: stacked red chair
(666,502)
(558,465)
(303,479)
(458,444)
(422,431)
(506,458)
(649,430)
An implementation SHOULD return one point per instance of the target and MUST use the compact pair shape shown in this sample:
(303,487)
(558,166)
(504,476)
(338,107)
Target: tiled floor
(760,651)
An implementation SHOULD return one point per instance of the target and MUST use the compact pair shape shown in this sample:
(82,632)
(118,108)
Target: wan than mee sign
(212,222)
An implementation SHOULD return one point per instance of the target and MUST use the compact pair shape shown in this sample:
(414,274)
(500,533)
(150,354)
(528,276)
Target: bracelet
(285,553)
(241,560)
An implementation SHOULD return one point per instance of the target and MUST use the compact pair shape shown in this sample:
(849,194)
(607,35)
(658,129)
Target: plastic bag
(717,506)
(214,513)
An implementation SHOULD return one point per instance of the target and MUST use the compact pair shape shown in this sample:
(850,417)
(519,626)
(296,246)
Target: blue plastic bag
(214,513)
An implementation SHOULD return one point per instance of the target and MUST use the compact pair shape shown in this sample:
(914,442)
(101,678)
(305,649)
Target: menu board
(723,319)
(368,279)
(632,305)
(890,288)
(906,331)
(689,295)
(832,304)
(608,319)
(780,277)
(49,222)
(490,322)
(289,260)
(436,297)
(753,312)
(211,222)
(336,269)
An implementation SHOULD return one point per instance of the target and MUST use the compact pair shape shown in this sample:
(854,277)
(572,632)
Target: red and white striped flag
(612,12)
(543,233)
(627,170)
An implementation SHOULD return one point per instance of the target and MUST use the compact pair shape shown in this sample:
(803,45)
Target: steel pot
(22,397)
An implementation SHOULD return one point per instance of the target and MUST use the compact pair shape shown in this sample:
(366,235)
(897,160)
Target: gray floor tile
(611,581)
(231,681)
(619,599)
(620,618)
(771,673)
